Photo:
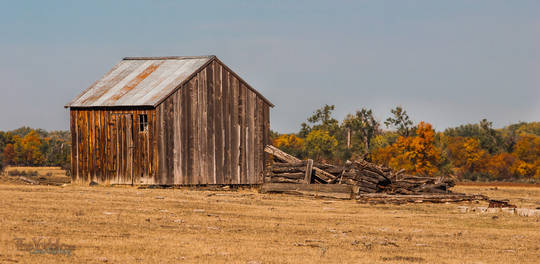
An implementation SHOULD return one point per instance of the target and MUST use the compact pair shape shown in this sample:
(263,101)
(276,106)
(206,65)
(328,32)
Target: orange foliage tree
(417,155)
(9,154)
(290,143)
(501,166)
(27,149)
(527,150)
(466,155)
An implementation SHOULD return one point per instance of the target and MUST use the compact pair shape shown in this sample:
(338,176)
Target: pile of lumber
(364,177)
(294,172)
(312,174)
(418,198)
(410,184)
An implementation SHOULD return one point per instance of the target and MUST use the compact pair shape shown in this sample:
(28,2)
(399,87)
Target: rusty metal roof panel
(140,81)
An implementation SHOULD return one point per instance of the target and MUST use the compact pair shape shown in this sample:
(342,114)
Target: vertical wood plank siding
(210,131)
(222,128)
(107,146)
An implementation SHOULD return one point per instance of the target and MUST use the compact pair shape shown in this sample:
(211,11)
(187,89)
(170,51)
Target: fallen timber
(368,182)
(383,198)
(336,191)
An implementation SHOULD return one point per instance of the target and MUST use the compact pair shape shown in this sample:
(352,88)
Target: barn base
(202,187)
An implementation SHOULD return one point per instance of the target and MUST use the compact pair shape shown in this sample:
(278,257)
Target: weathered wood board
(338,191)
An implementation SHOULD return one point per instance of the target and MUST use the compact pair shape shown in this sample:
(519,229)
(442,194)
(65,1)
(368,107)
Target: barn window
(143,123)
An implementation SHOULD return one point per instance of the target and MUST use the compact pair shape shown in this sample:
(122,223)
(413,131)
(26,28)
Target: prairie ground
(129,225)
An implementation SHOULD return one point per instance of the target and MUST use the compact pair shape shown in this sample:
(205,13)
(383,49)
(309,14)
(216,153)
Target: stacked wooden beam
(317,175)
(363,176)
(287,172)
(410,184)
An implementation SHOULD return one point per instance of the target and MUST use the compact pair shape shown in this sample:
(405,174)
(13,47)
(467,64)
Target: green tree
(384,139)
(321,120)
(363,127)
(320,144)
(56,149)
(400,120)
(23,131)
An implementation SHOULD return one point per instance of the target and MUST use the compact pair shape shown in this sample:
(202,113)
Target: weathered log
(369,166)
(432,188)
(360,177)
(374,175)
(293,175)
(282,180)
(339,191)
(279,154)
(27,180)
(336,170)
(301,163)
(363,186)
(364,189)
(309,171)
(433,198)
(367,184)
(288,169)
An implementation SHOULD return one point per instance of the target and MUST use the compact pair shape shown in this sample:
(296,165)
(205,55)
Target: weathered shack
(169,121)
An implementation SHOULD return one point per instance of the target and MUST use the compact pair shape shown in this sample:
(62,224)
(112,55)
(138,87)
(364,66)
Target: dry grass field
(44,175)
(129,225)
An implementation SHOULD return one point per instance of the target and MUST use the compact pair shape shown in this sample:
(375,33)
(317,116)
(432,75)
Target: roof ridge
(170,57)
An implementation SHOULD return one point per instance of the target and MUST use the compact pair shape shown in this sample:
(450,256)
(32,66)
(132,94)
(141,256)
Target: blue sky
(445,62)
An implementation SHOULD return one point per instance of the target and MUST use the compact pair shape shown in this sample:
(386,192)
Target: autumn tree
(527,150)
(400,120)
(512,133)
(5,139)
(320,144)
(501,166)
(418,154)
(381,147)
(8,154)
(27,149)
(386,155)
(291,144)
(467,156)
(490,139)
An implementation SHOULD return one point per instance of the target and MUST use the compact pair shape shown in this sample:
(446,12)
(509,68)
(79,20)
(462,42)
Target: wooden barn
(169,121)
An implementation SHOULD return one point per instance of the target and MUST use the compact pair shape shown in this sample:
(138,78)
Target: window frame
(143,123)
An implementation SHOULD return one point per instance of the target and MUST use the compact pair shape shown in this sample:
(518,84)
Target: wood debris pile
(410,184)
(419,198)
(364,177)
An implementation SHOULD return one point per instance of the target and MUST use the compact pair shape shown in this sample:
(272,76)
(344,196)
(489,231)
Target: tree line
(35,147)
(471,152)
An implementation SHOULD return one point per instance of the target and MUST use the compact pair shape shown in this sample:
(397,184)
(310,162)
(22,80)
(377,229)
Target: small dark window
(143,123)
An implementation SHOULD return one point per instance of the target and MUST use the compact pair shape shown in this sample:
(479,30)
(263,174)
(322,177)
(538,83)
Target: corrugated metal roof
(140,81)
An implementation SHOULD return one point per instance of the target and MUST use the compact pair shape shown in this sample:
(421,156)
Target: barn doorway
(123,147)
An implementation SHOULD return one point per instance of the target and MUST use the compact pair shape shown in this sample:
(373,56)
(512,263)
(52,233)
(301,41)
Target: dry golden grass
(40,170)
(45,175)
(129,225)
